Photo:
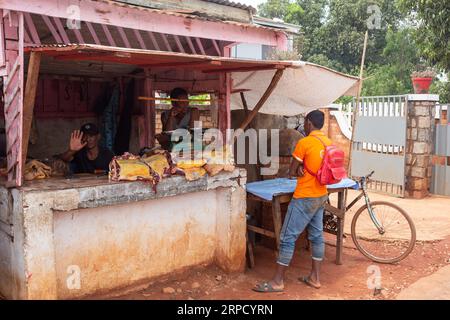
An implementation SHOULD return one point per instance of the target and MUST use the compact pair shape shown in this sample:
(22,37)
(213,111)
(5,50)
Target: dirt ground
(347,281)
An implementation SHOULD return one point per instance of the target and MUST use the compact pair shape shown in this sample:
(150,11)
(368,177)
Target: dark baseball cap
(89,129)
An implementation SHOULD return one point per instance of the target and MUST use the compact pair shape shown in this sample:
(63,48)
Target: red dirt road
(347,281)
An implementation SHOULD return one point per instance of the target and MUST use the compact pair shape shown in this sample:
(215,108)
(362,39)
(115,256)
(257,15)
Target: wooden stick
(358,96)
(273,84)
(244,103)
(29,100)
(169,99)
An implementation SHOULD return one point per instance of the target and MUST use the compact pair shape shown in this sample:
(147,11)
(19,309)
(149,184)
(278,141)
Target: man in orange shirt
(306,207)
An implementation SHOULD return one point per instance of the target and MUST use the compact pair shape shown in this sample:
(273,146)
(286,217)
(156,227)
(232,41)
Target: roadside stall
(67,236)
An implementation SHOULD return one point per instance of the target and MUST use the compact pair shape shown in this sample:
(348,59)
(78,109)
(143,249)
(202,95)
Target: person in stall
(180,116)
(84,154)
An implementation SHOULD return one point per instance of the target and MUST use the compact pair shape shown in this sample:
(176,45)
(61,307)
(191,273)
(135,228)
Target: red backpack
(332,169)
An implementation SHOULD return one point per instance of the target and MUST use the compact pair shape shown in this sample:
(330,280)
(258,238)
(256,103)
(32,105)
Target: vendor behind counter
(84,154)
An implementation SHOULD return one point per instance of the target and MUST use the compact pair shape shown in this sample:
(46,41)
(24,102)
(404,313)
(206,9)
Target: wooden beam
(191,45)
(216,46)
(191,64)
(93,33)
(52,29)
(124,37)
(32,28)
(166,42)
(117,14)
(244,103)
(111,41)
(273,84)
(179,45)
(138,36)
(29,100)
(246,69)
(200,46)
(61,30)
(78,35)
(154,42)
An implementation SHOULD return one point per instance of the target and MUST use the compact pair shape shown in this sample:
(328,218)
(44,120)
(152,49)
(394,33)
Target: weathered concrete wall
(12,265)
(116,234)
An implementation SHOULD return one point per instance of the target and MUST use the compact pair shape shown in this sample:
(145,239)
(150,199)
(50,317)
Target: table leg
(340,228)
(276,213)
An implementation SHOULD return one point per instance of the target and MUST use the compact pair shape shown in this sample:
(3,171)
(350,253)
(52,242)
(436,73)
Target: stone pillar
(419,144)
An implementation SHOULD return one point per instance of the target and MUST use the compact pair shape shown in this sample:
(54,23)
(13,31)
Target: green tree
(433,33)
(333,30)
(400,57)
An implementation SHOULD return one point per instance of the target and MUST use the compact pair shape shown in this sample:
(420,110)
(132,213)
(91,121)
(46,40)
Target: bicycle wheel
(390,246)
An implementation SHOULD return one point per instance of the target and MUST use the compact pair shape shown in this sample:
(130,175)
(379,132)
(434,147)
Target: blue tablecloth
(268,188)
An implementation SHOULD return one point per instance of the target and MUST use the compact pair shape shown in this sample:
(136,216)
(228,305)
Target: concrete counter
(64,238)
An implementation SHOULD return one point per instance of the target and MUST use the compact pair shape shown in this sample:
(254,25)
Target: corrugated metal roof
(192,16)
(233,4)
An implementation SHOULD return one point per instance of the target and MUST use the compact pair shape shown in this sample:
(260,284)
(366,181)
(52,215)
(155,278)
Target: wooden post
(29,100)
(273,84)
(356,109)
(149,112)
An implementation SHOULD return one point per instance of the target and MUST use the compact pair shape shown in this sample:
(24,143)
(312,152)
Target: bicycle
(381,231)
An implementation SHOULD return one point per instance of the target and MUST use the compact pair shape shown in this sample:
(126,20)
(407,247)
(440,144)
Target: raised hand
(75,141)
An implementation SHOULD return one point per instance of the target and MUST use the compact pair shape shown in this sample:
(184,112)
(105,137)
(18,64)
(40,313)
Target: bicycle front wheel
(393,242)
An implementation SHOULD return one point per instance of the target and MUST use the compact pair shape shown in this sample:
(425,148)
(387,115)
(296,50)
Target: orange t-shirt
(310,151)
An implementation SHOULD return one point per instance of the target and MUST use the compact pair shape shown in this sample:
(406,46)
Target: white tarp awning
(303,87)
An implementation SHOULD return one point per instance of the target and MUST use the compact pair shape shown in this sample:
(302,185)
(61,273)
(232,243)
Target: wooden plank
(262,231)
(29,99)
(276,211)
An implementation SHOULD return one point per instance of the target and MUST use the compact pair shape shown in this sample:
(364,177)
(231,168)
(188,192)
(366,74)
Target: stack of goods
(153,168)
(36,170)
(211,162)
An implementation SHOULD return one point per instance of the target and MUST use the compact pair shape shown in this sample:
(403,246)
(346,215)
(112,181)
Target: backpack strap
(304,163)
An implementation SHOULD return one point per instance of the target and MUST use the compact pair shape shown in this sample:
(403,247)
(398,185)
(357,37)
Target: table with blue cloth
(280,190)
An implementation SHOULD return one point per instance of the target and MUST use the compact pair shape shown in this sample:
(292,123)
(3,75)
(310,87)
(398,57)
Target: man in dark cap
(84,153)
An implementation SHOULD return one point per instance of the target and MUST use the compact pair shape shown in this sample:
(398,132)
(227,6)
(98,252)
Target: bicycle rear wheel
(395,243)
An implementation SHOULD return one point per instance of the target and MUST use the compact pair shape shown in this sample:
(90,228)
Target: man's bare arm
(296,168)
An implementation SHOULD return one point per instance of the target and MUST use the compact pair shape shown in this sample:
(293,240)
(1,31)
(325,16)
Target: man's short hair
(178,92)
(317,118)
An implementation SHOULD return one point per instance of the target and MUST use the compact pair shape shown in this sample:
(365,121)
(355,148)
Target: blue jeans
(302,213)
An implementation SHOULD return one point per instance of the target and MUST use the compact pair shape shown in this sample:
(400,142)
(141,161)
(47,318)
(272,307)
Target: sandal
(307,281)
(266,287)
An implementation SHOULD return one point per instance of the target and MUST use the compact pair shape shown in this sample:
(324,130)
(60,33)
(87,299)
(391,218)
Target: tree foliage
(333,35)
(433,32)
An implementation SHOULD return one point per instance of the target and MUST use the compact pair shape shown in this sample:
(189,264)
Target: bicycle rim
(395,244)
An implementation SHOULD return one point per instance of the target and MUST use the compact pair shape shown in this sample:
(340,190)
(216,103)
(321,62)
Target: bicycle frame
(369,206)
